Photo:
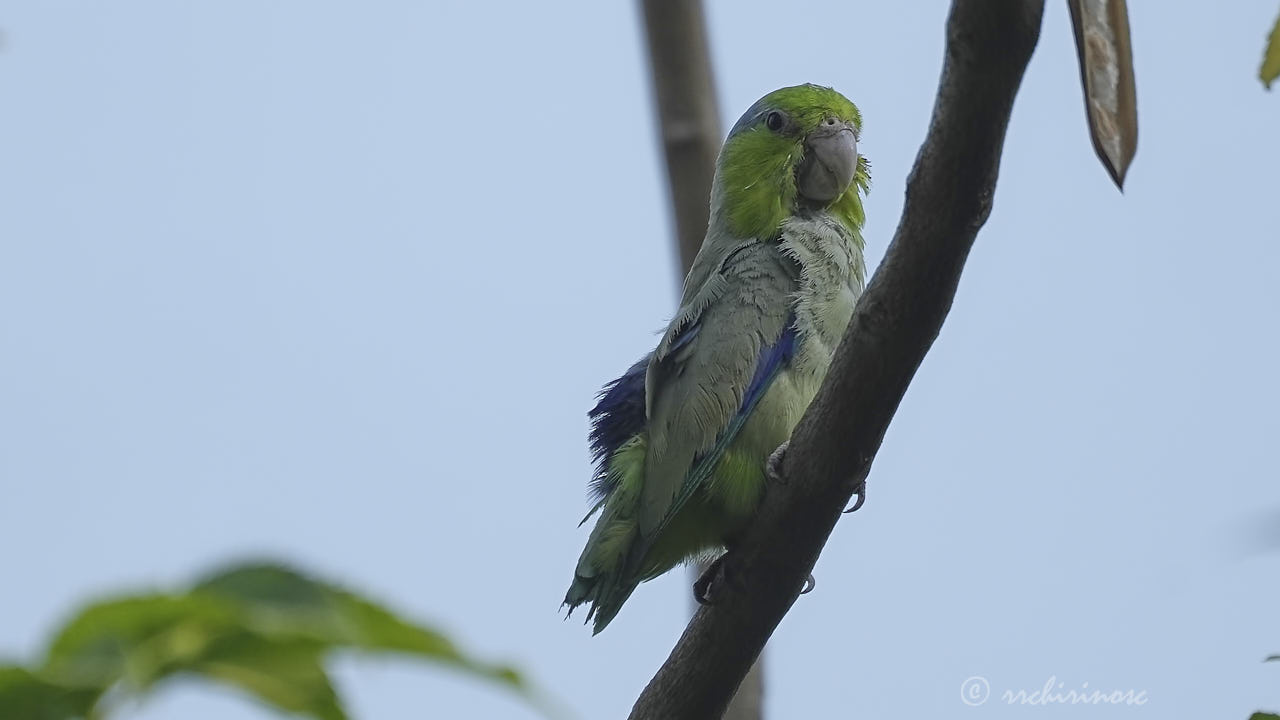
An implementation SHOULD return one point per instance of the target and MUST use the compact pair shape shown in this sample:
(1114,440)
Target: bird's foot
(702,586)
(773,466)
(773,472)
(717,573)
(862,496)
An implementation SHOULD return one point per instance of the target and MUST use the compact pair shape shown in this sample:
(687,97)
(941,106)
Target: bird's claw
(809,584)
(702,586)
(773,466)
(862,497)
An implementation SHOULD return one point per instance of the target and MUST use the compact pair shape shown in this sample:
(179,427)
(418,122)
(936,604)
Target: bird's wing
(617,417)
(714,363)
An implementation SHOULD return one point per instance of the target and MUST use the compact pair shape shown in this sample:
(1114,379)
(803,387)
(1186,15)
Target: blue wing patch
(774,358)
(620,414)
(617,417)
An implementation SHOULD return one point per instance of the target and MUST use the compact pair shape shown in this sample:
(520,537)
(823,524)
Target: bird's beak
(830,159)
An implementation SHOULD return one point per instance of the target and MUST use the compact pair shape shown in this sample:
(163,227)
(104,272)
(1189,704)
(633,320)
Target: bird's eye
(774,120)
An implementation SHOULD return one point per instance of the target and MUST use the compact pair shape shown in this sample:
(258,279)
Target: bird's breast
(831,279)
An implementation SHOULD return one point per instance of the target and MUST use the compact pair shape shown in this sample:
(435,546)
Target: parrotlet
(682,440)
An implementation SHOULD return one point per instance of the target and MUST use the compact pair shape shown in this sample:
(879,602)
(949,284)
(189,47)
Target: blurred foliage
(1266,715)
(1270,69)
(262,628)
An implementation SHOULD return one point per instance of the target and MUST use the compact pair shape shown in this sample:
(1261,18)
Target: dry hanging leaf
(1106,72)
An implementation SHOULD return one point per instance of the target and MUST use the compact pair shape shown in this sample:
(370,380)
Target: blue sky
(337,282)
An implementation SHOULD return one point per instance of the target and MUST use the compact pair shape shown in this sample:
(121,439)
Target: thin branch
(689,121)
(949,195)
(688,117)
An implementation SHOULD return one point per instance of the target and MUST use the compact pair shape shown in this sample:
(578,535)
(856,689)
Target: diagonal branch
(949,195)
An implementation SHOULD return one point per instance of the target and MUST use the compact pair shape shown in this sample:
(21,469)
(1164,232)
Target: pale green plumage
(692,478)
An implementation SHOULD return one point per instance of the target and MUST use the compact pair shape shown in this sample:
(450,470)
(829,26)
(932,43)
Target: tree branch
(688,117)
(948,198)
(689,123)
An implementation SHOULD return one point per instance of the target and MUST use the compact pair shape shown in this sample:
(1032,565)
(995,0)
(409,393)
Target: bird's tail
(606,593)
(604,577)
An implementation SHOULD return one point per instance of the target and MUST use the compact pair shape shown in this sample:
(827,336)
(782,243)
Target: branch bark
(688,116)
(948,198)
(689,122)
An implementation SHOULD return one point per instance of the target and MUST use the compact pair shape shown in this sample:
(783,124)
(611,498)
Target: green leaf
(289,676)
(26,696)
(137,639)
(136,642)
(281,600)
(1270,69)
(262,628)
(1264,716)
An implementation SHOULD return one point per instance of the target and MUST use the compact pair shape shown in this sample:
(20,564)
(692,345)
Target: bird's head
(795,149)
